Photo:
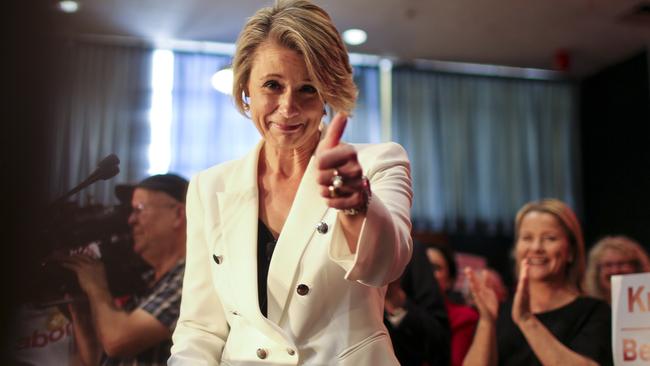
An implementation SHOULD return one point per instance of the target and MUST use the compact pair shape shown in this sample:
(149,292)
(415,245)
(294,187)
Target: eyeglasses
(619,264)
(139,208)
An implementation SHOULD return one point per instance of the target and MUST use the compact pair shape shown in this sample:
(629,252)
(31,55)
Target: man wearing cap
(138,333)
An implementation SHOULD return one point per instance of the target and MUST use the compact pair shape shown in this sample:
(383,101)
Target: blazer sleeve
(385,244)
(202,329)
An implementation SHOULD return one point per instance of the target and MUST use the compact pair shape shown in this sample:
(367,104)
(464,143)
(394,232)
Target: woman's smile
(285,127)
(536,261)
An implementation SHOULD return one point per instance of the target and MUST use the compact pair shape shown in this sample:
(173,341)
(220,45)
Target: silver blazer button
(217,259)
(322,227)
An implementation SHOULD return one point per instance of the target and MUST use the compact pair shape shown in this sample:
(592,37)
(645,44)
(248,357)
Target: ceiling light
(354,37)
(222,81)
(68,6)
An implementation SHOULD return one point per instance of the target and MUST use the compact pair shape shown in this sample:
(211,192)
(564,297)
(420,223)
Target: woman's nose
(537,244)
(289,105)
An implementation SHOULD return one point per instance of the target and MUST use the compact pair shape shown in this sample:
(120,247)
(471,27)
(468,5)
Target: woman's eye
(272,84)
(309,89)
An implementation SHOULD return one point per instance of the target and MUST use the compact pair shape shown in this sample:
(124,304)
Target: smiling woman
(288,257)
(284,103)
(549,321)
(613,255)
(549,239)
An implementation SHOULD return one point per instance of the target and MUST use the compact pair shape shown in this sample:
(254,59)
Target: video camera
(68,228)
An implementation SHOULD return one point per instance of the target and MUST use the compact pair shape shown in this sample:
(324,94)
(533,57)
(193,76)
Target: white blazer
(325,305)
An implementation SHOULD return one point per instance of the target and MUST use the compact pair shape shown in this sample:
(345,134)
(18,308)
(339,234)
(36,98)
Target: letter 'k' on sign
(634,297)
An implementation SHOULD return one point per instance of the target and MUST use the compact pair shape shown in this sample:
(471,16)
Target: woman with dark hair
(550,321)
(462,318)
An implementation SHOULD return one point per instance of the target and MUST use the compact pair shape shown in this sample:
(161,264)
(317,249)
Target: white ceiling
(522,33)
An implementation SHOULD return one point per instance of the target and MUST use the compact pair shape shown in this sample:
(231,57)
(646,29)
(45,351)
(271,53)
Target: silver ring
(337,181)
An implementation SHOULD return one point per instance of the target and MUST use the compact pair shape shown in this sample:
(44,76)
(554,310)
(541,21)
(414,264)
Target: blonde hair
(307,29)
(575,267)
(621,244)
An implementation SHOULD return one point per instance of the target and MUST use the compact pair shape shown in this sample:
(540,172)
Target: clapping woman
(549,321)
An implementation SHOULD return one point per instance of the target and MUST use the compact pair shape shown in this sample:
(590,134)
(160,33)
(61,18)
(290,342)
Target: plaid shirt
(163,301)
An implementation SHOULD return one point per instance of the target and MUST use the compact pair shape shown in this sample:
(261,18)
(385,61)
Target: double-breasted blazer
(325,304)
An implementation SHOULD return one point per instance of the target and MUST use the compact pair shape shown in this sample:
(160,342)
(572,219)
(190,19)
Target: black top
(265,246)
(583,325)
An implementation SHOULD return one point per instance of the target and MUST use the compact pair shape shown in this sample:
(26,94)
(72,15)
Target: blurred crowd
(559,306)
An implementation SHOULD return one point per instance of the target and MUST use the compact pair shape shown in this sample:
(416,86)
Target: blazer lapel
(239,211)
(307,210)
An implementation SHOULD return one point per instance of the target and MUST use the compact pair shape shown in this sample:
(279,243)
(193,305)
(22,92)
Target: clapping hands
(484,296)
(521,304)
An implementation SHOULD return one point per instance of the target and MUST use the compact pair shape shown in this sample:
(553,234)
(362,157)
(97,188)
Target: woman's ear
(246,101)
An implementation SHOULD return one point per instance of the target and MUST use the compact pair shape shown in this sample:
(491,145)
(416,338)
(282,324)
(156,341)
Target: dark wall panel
(615,132)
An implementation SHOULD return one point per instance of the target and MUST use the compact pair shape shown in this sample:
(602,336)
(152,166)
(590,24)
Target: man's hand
(90,273)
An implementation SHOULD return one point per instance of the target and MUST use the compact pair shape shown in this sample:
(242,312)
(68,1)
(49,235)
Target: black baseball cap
(172,184)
